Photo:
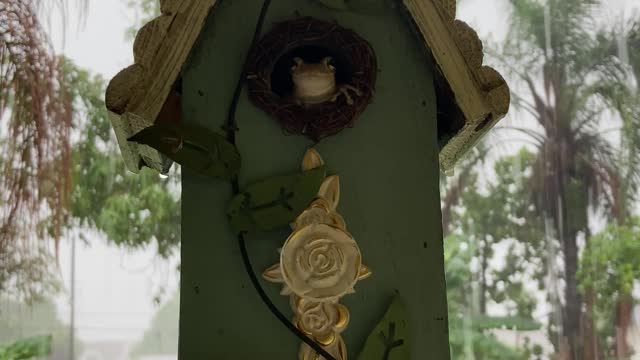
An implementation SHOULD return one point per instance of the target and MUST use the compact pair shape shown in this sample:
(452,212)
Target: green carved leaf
(193,147)
(274,202)
(389,340)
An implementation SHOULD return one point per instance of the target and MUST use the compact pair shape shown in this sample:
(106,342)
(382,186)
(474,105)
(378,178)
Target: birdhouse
(311,136)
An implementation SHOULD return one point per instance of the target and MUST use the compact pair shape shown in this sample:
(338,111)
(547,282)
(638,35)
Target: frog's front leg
(344,90)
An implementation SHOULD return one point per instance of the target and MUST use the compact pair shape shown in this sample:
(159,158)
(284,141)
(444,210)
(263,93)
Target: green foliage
(144,11)
(27,348)
(608,269)
(484,322)
(467,329)
(22,321)
(274,202)
(497,212)
(610,264)
(484,345)
(568,62)
(133,210)
(27,277)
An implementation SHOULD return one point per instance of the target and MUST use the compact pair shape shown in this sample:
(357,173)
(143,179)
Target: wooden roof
(136,96)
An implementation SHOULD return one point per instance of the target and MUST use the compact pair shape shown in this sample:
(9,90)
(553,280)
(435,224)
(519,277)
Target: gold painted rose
(320,262)
(324,321)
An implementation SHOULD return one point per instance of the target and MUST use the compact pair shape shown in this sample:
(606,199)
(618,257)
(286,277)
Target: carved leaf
(311,160)
(193,147)
(274,202)
(330,191)
(389,340)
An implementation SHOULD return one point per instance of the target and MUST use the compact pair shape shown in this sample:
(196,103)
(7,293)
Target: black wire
(231,137)
(265,298)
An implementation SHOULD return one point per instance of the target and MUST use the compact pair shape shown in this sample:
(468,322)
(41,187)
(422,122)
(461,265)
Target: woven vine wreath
(270,84)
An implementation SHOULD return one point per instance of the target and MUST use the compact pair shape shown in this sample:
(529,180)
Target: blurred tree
(132,210)
(161,338)
(26,349)
(35,170)
(453,185)
(144,11)
(610,265)
(470,334)
(618,90)
(21,321)
(633,45)
(556,52)
(501,213)
(488,216)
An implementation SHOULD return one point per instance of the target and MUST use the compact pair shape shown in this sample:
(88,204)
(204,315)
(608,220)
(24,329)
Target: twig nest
(271,85)
(320,262)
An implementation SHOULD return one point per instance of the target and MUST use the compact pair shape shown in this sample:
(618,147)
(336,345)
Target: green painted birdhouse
(311,135)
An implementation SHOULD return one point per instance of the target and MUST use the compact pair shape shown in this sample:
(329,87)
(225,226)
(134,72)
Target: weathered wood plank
(480,92)
(136,95)
(438,33)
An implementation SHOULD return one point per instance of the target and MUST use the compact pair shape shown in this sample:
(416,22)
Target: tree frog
(315,83)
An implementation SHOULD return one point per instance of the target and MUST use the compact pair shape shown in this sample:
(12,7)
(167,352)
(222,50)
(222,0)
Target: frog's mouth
(315,76)
(318,75)
(322,87)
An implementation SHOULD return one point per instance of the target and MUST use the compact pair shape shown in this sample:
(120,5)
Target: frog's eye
(328,62)
(297,62)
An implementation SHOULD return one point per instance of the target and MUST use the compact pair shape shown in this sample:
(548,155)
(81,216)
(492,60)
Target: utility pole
(72,325)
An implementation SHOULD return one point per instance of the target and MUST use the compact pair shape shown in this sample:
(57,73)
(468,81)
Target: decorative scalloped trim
(136,95)
(481,92)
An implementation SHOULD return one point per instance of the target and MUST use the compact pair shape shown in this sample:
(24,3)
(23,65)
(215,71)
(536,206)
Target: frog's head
(323,69)
(314,79)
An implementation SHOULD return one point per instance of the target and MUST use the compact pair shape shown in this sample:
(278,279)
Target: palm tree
(35,126)
(567,68)
(622,95)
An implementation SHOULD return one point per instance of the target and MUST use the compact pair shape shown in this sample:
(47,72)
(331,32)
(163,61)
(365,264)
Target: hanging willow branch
(35,123)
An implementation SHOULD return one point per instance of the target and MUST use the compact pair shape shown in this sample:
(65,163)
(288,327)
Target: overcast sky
(115,287)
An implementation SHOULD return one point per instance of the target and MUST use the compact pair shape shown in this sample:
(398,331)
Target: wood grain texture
(136,95)
(481,93)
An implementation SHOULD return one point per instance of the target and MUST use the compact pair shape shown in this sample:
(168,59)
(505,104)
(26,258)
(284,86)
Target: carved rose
(323,321)
(320,262)
(317,318)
